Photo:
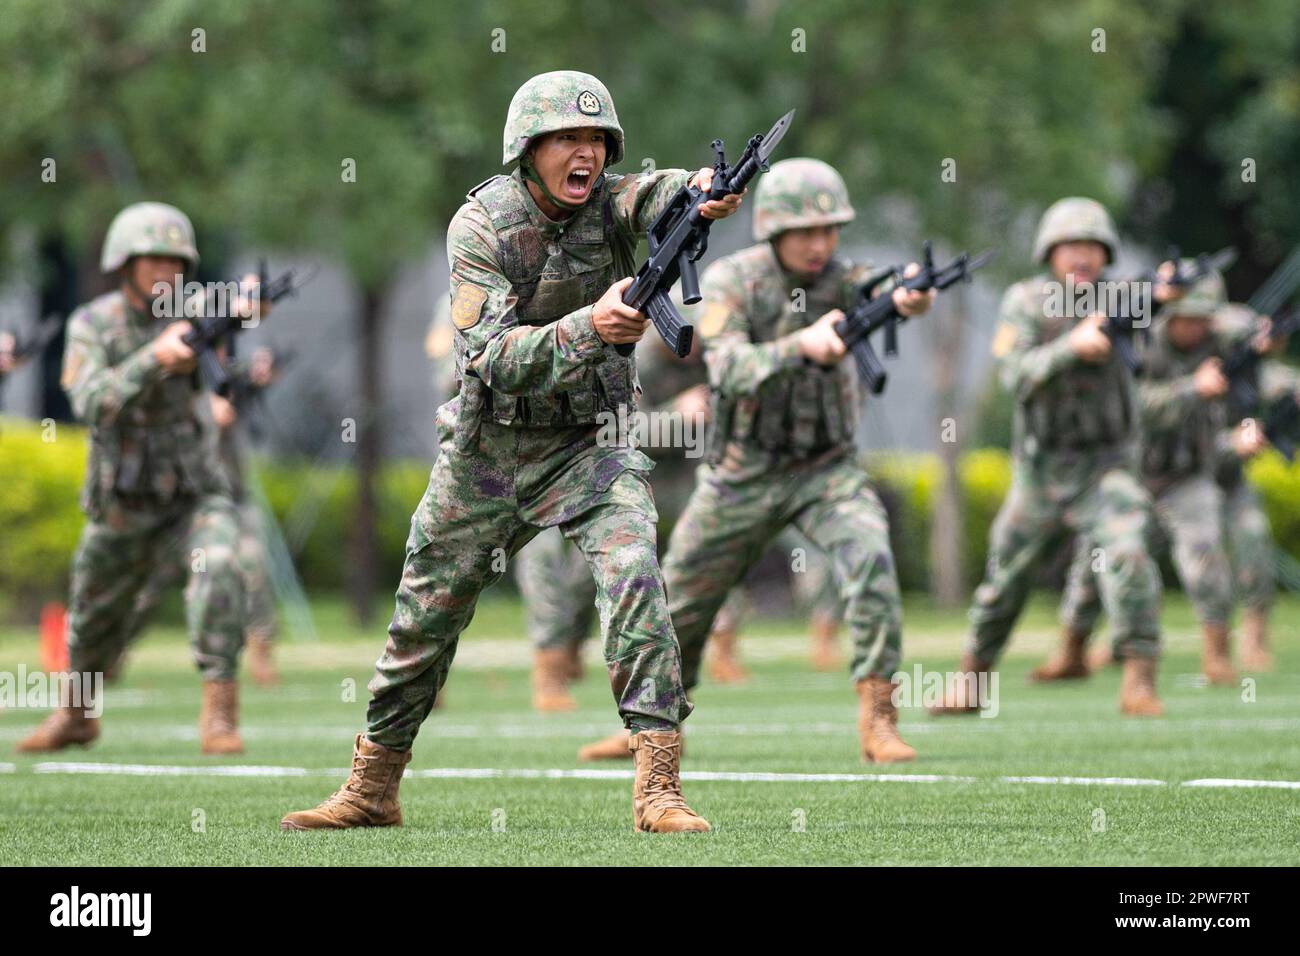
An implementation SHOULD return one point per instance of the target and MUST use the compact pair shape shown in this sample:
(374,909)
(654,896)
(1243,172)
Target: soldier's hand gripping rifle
(870,314)
(1122,323)
(679,237)
(209,332)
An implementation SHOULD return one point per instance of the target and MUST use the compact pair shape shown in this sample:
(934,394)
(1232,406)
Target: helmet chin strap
(529,172)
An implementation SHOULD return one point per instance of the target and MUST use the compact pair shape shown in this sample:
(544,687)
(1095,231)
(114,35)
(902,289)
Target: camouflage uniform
(154,496)
(1073,460)
(781,448)
(1182,436)
(1250,536)
(519,449)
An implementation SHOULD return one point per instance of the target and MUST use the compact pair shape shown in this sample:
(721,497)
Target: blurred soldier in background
(153,492)
(247,378)
(1183,431)
(536,259)
(785,408)
(1250,538)
(1073,460)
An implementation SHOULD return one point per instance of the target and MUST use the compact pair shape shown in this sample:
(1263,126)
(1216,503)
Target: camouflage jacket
(1181,431)
(147,445)
(1236,321)
(1065,407)
(769,402)
(522,291)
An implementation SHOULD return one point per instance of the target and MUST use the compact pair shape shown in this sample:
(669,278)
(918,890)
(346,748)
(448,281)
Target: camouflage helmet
(148,229)
(1204,298)
(563,99)
(798,193)
(1074,219)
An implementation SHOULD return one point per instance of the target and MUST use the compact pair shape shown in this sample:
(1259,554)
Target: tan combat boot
(609,748)
(219,718)
(551,681)
(878,723)
(1255,655)
(824,629)
(724,665)
(1103,656)
(261,664)
(1069,661)
(657,802)
(368,799)
(1137,689)
(64,727)
(1216,665)
(964,695)
(575,671)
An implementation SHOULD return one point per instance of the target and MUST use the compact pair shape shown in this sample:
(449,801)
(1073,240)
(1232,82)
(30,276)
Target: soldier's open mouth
(577,183)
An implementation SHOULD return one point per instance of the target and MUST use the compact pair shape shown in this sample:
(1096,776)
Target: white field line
(6,768)
(1272,784)
(558,729)
(486,773)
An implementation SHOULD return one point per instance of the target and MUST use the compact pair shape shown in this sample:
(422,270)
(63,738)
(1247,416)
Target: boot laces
(663,786)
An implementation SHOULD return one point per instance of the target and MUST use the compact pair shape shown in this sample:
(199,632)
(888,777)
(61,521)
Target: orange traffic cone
(54,637)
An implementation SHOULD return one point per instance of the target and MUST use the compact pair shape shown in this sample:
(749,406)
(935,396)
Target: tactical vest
(1080,408)
(799,413)
(155,453)
(550,279)
(1189,448)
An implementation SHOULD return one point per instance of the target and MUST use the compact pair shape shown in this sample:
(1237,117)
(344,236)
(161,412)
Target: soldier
(536,259)
(781,448)
(1250,537)
(153,493)
(677,390)
(258,373)
(1183,425)
(1073,459)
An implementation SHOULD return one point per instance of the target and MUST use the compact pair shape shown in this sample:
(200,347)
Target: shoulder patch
(467,305)
(713,319)
(1005,339)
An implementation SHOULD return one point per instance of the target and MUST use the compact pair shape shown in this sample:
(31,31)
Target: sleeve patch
(467,306)
(1005,339)
(714,319)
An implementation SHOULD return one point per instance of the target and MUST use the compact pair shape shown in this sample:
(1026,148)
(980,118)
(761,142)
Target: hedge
(41,472)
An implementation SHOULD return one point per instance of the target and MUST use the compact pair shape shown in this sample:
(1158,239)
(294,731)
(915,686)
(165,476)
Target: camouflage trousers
(483,503)
(118,557)
(1189,521)
(558,590)
(812,584)
(259,599)
(1250,540)
(1100,500)
(560,594)
(728,523)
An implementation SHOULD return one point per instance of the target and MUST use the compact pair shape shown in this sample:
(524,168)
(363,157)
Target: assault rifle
(870,314)
(208,332)
(679,237)
(45,333)
(1242,366)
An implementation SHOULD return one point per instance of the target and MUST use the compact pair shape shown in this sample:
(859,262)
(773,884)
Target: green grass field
(786,720)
